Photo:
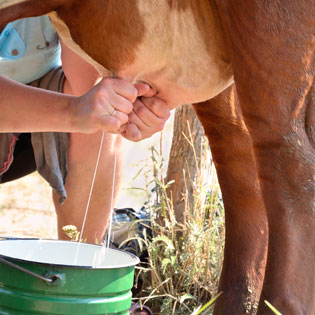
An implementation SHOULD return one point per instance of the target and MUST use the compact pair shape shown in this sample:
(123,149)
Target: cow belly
(193,88)
(183,58)
(181,53)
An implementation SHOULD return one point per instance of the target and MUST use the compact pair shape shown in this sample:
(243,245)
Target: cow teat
(151,92)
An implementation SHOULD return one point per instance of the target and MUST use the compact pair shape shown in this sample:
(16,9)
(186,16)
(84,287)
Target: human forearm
(27,109)
(105,107)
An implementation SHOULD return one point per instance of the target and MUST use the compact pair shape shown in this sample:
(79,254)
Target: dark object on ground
(137,309)
(128,222)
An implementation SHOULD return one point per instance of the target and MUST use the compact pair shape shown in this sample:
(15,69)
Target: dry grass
(184,259)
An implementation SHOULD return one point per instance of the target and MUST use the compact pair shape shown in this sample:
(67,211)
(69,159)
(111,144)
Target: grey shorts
(45,152)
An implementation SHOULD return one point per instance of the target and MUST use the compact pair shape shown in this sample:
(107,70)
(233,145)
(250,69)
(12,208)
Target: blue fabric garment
(29,48)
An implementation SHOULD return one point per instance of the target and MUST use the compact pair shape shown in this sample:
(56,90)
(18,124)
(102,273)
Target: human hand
(106,106)
(148,117)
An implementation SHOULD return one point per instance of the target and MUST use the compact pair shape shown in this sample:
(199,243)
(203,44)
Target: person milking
(52,118)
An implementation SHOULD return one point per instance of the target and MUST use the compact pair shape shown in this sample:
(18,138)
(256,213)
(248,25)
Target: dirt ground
(26,208)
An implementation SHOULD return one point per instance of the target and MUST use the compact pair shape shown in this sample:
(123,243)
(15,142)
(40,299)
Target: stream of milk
(99,256)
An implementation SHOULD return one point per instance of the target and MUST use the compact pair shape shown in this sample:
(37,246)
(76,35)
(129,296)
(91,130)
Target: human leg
(82,156)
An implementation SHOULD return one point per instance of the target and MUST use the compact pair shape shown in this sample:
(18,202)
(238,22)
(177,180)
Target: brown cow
(190,51)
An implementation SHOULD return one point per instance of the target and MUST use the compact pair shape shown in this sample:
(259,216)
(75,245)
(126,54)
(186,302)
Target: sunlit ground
(26,208)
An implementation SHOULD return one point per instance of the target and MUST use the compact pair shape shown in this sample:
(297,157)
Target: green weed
(184,259)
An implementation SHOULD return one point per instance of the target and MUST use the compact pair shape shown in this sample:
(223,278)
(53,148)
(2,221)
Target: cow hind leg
(246,222)
(290,281)
(271,45)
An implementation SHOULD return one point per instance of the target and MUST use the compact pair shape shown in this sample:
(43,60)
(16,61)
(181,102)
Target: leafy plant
(206,307)
(184,259)
(272,308)
(72,232)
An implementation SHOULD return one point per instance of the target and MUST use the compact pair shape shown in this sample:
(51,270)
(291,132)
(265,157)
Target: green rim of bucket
(82,290)
(134,257)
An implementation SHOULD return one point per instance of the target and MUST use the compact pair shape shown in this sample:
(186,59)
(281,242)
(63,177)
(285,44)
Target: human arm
(28,109)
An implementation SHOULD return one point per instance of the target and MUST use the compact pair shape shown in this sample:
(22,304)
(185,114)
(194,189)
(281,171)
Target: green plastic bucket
(56,277)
